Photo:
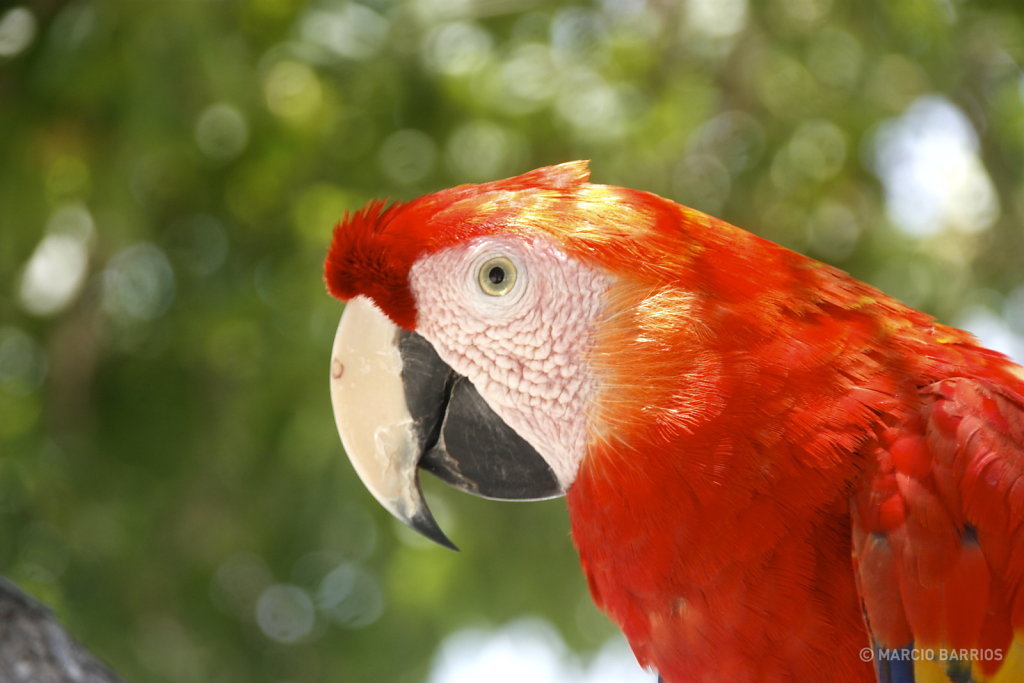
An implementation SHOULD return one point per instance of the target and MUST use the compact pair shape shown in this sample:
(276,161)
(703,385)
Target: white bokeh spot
(934,180)
(56,271)
(529,649)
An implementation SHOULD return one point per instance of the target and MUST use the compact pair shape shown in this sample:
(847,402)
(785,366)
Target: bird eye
(497,276)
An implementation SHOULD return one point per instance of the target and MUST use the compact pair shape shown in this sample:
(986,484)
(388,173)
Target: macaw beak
(399,408)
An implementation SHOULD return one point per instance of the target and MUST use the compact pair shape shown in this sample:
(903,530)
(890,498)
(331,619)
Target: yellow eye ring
(497,276)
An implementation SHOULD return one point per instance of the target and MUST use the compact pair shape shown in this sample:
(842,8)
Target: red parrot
(774,472)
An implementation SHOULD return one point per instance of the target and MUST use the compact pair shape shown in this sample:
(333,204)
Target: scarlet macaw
(774,472)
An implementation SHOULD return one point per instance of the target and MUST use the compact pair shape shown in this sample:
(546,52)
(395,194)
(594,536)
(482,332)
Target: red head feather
(631,233)
(372,250)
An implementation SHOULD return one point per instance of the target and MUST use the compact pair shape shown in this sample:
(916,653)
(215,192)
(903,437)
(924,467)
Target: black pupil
(496,275)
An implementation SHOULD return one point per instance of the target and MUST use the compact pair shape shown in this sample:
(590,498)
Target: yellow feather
(934,666)
(1012,670)
(930,672)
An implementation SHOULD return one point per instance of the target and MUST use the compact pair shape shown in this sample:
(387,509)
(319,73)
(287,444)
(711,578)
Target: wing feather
(939,533)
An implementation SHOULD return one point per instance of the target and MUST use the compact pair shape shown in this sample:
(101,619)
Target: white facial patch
(524,349)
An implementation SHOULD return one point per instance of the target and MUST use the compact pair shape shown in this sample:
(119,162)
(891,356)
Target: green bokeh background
(170,478)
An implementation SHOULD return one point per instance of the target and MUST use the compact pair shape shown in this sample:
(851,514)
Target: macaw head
(493,331)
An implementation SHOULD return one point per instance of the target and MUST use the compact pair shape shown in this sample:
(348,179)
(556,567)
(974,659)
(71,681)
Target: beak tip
(423,522)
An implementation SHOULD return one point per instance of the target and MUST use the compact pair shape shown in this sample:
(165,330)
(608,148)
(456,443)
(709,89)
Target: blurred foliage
(170,478)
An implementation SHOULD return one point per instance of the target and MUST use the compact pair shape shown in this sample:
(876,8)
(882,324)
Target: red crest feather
(373,249)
